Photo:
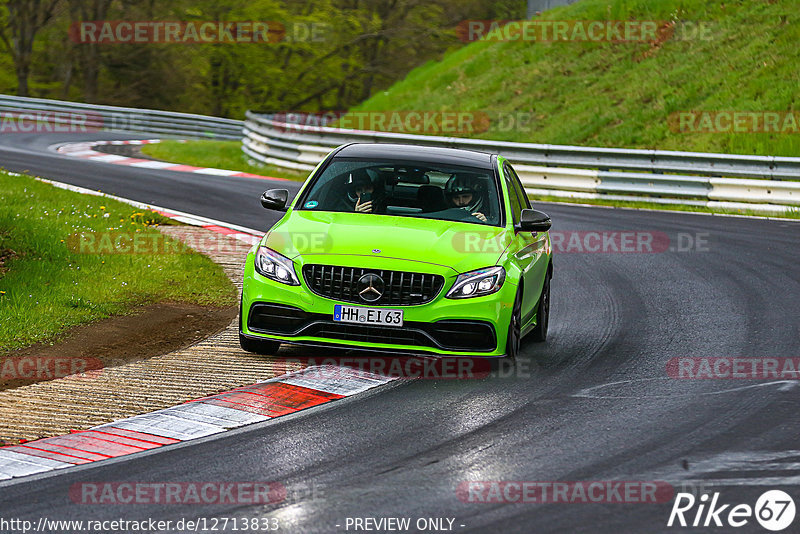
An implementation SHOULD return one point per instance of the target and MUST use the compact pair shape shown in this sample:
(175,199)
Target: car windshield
(406,189)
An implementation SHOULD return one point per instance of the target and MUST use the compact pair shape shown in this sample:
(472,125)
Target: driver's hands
(366,207)
(480,216)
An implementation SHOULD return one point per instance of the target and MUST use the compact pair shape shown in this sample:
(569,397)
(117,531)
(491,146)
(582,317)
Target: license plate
(355,314)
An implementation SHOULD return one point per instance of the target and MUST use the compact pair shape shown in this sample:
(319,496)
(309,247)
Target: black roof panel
(422,154)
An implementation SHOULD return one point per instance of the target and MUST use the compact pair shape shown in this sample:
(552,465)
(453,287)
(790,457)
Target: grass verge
(623,94)
(216,154)
(48,286)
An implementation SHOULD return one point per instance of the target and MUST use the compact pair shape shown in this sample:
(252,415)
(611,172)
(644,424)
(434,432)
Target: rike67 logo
(774,510)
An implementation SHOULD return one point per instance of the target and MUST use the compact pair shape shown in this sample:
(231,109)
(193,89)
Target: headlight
(275,266)
(478,283)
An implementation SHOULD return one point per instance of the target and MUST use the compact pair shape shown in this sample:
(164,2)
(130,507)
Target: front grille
(400,288)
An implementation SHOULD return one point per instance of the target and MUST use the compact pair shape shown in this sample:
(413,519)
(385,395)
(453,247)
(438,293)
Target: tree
(363,47)
(23,20)
(89,53)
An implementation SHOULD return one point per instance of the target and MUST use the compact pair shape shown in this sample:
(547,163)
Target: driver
(461,192)
(360,192)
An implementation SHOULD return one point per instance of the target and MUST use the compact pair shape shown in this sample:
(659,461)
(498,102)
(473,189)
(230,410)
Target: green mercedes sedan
(401,249)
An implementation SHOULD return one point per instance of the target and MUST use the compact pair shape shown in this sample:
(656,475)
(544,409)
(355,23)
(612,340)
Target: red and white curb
(260,402)
(85,151)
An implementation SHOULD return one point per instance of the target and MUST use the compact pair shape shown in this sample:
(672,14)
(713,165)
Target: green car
(401,249)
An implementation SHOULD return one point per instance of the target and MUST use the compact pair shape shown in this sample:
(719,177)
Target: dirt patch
(5,255)
(152,331)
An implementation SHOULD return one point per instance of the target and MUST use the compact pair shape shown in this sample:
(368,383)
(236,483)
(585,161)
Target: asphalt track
(594,403)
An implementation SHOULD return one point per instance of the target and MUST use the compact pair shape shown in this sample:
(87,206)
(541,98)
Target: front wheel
(539,332)
(515,329)
(259,346)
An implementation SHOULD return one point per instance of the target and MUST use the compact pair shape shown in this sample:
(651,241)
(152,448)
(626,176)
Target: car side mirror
(534,221)
(275,199)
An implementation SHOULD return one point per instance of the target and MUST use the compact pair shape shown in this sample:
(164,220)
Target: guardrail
(72,116)
(758,183)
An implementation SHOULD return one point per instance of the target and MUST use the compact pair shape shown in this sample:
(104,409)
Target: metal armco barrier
(722,181)
(56,114)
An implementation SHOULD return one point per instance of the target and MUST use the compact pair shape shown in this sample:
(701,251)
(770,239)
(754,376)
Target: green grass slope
(49,283)
(622,94)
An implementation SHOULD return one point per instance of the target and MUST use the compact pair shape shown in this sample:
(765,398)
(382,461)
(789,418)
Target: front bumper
(447,327)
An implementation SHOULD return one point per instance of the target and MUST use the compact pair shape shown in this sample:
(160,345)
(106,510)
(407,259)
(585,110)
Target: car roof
(417,153)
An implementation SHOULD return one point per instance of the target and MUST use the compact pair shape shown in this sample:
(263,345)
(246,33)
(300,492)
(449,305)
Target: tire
(539,333)
(515,329)
(259,346)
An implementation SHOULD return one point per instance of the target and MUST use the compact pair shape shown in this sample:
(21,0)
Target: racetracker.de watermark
(427,122)
(731,368)
(734,122)
(615,31)
(396,121)
(42,368)
(591,242)
(49,122)
(156,243)
(201,493)
(580,492)
(176,32)
(403,367)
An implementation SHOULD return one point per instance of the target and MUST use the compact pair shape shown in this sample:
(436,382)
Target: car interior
(404,190)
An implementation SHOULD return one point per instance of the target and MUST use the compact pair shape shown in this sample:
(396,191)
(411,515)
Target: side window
(523,196)
(516,207)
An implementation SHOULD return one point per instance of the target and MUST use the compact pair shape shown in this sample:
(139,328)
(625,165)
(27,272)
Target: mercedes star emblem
(370,287)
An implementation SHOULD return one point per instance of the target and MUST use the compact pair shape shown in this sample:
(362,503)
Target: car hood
(456,245)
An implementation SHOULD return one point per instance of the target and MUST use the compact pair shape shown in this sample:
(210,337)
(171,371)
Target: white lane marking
(216,172)
(186,220)
(588,393)
(154,164)
(731,468)
(84,153)
(756,481)
(108,158)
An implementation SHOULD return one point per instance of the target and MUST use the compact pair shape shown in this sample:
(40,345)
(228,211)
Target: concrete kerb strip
(204,417)
(85,150)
